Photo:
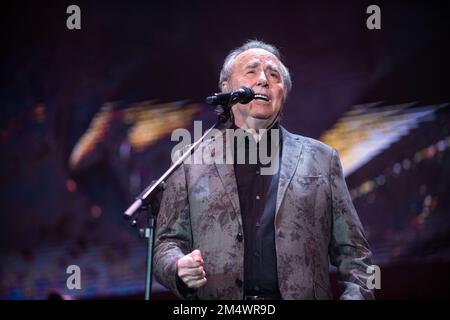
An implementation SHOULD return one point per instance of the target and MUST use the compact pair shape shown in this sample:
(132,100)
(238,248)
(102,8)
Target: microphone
(242,95)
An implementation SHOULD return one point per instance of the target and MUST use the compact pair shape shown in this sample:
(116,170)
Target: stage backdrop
(87,116)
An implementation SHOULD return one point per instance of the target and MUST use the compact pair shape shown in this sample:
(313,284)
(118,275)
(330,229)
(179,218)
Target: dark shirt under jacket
(257,197)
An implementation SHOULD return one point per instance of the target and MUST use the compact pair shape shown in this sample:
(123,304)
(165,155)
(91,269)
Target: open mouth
(261,96)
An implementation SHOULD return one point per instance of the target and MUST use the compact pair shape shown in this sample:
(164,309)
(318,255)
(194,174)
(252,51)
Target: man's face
(261,71)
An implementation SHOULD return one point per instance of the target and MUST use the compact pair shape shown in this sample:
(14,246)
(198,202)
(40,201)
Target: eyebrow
(272,68)
(252,65)
(256,64)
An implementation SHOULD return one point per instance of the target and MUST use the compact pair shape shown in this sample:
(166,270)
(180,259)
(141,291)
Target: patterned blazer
(315,224)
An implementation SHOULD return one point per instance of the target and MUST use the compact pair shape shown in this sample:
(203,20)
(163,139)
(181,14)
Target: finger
(197,256)
(191,278)
(195,284)
(188,262)
(195,272)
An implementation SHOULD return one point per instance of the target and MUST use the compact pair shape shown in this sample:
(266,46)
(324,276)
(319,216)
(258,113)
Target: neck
(257,127)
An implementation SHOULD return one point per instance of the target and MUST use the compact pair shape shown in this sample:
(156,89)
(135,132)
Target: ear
(224,86)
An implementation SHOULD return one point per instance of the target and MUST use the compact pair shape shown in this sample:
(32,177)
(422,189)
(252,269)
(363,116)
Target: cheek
(280,95)
(245,80)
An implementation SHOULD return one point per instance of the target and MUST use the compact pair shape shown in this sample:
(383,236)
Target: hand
(190,270)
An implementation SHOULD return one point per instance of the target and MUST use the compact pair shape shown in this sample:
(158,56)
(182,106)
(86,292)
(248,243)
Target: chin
(259,113)
(261,116)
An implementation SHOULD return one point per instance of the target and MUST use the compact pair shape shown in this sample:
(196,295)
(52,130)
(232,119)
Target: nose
(262,80)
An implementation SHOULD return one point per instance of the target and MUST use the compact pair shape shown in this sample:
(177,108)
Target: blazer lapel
(218,148)
(292,148)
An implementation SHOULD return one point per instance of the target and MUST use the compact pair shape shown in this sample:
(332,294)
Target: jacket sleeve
(173,235)
(349,250)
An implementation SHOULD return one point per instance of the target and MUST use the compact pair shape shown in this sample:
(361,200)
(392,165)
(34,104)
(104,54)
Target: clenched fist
(190,270)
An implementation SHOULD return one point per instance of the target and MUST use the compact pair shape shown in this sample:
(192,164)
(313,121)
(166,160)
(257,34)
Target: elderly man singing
(227,231)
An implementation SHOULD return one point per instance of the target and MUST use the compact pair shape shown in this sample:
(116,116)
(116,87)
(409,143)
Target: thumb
(197,256)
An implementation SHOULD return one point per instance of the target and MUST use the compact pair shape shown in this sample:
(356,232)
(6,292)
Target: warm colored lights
(422,155)
(365,131)
(71,185)
(96,211)
(148,123)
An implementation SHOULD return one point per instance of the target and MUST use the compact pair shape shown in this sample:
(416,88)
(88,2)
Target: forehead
(256,55)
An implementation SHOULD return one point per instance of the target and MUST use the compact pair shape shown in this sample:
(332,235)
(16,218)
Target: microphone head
(211,100)
(243,95)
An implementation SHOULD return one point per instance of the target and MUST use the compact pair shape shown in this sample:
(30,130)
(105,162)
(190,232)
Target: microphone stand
(147,200)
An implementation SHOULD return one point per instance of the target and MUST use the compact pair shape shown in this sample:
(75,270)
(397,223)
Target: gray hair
(228,64)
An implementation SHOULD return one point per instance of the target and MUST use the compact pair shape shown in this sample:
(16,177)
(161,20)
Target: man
(225,231)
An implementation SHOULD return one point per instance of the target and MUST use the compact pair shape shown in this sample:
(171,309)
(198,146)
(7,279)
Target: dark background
(54,82)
